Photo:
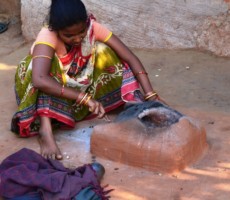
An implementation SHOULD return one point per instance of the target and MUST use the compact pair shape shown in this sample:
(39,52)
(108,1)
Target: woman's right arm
(41,79)
(42,55)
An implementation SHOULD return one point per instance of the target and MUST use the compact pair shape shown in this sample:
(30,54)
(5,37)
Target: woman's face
(73,35)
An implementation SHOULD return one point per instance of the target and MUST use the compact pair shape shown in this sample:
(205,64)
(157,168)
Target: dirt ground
(195,83)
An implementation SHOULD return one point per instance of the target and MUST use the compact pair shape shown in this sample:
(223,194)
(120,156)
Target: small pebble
(156,75)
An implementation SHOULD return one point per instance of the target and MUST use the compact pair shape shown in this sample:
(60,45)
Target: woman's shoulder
(45,29)
(101,32)
(96,24)
(47,36)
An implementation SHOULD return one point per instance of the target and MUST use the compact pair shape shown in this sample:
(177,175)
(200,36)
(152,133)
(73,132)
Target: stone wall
(10,11)
(170,24)
(33,14)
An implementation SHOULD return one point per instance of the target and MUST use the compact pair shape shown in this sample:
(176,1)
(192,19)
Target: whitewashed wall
(170,24)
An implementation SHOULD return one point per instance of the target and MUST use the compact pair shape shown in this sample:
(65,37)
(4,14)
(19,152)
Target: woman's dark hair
(64,13)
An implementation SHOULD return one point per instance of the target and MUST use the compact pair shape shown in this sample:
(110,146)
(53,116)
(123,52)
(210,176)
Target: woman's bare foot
(48,145)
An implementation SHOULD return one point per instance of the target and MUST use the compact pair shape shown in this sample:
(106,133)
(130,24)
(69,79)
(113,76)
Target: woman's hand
(157,98)
(97,108)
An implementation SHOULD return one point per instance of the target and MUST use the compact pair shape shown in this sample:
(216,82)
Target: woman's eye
(83,31)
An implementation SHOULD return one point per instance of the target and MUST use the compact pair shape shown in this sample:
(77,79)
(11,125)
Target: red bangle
(141,72)
(62,90)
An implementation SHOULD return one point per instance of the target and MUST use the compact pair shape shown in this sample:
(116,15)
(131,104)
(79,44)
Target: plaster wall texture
(164,24)
(10,11)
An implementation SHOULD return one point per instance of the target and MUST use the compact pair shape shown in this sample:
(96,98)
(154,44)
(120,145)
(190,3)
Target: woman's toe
(59,157)
(53,156)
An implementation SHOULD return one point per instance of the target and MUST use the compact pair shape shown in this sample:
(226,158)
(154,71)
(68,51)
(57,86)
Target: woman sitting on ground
(76,69)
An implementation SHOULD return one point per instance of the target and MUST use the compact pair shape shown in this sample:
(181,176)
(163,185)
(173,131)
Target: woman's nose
(78,39)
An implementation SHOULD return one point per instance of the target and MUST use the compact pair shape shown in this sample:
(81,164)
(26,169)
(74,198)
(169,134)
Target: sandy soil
(195,83)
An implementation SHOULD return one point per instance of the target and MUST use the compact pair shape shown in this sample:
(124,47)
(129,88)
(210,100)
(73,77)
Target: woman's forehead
(76,28)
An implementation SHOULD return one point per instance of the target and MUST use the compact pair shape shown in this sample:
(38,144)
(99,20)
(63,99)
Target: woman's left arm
(135,64)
